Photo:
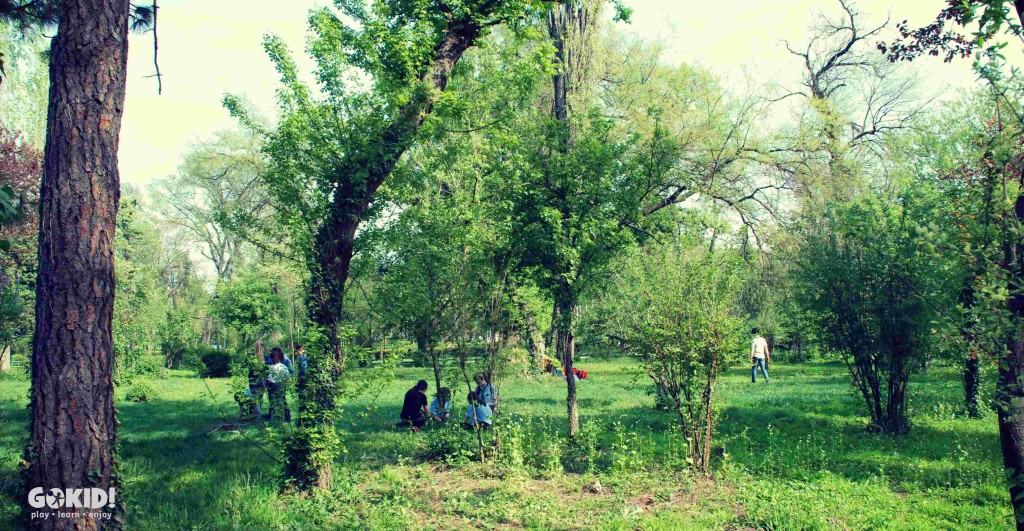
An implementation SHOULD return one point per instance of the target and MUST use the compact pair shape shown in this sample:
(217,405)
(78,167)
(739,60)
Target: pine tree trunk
(73,427)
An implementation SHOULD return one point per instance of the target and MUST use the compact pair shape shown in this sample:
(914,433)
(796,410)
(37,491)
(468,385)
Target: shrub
(450,444)
(140,391)
(216,364)
(547,454)
(578,452)
(152,366)
(678,314)
(876,273)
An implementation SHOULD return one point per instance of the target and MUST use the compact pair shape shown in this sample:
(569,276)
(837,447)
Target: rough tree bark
(73,427)
(1010,388)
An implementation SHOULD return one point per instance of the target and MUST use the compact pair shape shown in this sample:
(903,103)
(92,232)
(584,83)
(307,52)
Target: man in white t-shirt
(759,356)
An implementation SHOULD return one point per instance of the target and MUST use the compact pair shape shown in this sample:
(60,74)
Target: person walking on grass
(414,408)
(759,356)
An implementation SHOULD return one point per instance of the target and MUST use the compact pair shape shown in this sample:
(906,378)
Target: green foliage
(450,443)
(217,364)
(151,367)
(674,307)
(217,200)
(876,275)
(579,452)
(140,391)
(140,302)
(249,304)
(177,333)
(25,75)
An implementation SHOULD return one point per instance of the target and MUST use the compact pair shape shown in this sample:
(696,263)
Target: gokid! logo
(71,499)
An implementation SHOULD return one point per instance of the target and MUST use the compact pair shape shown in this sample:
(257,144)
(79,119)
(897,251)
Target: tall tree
(217,197)
(73,425)
(618,146)
(329,158)
(572,26)
(990,19)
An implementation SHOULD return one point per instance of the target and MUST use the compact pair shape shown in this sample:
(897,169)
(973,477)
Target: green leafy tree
(329,156)
(674,306)
(874,273)
(216,195)
(250,305)
(598,171)
(988,22)
(140,302)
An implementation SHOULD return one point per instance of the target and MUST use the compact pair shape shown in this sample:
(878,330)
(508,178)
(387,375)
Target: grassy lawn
(796,456)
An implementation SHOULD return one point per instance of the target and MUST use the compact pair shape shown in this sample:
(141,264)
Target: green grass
(797,457)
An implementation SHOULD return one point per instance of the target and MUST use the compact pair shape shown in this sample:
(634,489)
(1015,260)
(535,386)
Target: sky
(212,48)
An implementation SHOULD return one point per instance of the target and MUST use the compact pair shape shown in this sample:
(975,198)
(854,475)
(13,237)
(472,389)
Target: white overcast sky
(209,48)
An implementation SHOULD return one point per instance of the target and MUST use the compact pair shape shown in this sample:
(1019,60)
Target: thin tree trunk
(570,27)
(972,382)
(896,421)
(534,340)
(73,427)
(435,361)
(1010,390)
(566,349)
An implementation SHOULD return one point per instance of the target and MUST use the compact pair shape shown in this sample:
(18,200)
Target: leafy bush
(451,444)
(547,454)
(152,366)
(216,364)
(140,391)
(578,453)
(193,357)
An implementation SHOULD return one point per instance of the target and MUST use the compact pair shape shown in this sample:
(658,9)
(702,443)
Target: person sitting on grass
(478,414)
(552,369)
(414,409)
(441,406)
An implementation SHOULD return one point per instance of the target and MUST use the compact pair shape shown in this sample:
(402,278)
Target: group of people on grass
(417,411)
(268,375)
(481,405)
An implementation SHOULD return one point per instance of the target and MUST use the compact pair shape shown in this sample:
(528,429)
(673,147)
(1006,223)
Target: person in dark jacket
(414,409)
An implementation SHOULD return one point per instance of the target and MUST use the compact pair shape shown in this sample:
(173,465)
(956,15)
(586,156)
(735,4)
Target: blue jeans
(762,364)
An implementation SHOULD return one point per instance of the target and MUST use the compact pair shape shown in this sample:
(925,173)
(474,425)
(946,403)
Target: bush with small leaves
(140,391)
